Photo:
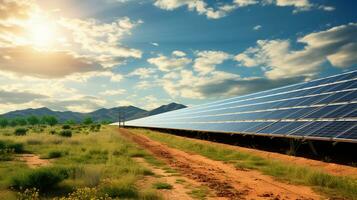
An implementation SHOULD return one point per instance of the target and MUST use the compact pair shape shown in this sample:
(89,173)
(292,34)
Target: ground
(112,163)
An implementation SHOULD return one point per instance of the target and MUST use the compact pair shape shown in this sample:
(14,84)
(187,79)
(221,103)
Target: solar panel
(324,109)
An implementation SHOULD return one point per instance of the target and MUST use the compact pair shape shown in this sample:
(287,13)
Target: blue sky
(83,55)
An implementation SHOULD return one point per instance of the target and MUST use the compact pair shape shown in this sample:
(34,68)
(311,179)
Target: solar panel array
(322,109)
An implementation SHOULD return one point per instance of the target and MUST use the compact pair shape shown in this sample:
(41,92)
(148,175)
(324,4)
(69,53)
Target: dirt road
(224,179)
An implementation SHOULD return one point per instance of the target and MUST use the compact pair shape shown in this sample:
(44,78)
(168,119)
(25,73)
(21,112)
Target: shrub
(95,127)
(87,121)
(42,179)
(33,120)
(70,122)
(6,154)
(162,186)
(54,154)
(50,120)
(20,131)
(21,121)
(86,193)
(121,192)
(66,133)
(29,194)
(4,122)
(149,194)
(9,145)
(66,127)
(13,122)
(123,188)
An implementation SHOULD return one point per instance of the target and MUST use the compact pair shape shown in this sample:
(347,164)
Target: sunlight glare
(41,32)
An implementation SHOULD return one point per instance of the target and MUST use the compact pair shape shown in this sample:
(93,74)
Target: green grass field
(327,184)
(90,164)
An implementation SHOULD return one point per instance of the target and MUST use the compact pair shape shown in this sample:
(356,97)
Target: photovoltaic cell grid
(322,109)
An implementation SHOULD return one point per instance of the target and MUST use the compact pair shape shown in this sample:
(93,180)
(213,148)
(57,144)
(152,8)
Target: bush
(54,154)
(29,194)
(50,120)
(87,121)
(66,127)
(85,194)
(4,122)
(123,188)
(9,145)
(162,186)
(70,122)
(20,131)
(66,133)
(6,154)
(42,179)
(33,120)
(95,127)
(121,192)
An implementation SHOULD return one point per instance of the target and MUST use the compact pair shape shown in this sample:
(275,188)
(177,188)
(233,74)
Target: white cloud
(257,27)
(28,61)
(143,73)
(243,3)
(217,84)
(167,64)
(206,61)
(337,45)
(124,103)
(327,8)
(113,92)
(221,9)
(178,53)
(155,44)
(102,40)
(84,77)
(79,103)
(73,45)
(143,85)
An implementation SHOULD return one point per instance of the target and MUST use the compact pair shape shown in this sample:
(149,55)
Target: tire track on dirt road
(224,179)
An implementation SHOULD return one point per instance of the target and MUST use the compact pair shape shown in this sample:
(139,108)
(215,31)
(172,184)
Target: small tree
(13,123)
(87,121)
(33,120)
(4,122)
(70,122)
(21,121)
(50,120)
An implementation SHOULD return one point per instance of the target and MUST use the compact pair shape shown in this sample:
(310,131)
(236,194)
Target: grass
(328,184)
(199,193)
(43,179)
(96,164)
(162,186)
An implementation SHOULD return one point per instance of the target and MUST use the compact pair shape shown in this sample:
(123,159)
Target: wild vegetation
(85,161)
(333,186)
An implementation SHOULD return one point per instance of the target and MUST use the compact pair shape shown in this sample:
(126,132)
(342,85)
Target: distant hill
(111,114)
(161,109)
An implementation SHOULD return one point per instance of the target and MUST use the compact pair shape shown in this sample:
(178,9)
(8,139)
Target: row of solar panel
(323,129)
(265,109)
(330,111)
(309,88)
(325,108)
(341,77)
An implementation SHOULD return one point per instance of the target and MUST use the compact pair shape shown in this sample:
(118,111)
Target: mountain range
(103,114)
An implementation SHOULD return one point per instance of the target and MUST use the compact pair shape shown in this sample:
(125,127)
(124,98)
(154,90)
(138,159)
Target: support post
(294,146)
(312,147)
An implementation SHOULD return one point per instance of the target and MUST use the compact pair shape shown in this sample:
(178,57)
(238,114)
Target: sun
(41,31)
